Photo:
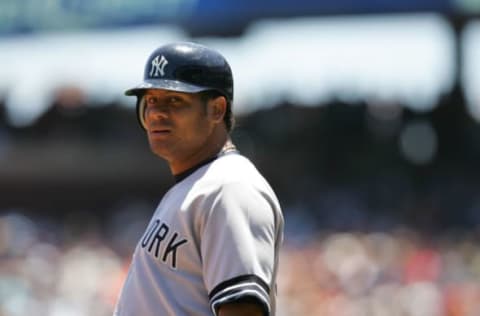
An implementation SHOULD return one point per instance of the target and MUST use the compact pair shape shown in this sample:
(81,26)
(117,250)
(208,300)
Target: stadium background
(363,115)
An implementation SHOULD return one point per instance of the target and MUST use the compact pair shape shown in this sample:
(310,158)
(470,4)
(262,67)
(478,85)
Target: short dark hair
(228,118)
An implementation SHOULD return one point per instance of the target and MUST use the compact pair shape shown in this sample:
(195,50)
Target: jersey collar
(229,148)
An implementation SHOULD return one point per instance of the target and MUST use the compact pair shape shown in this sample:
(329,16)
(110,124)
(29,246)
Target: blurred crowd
(64,268)
(398,273)
(381,204)
(76,267)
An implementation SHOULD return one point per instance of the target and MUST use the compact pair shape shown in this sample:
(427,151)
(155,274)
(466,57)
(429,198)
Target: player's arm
(240,309)
(238,251)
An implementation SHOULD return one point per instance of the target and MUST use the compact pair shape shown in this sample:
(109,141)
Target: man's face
(178,125)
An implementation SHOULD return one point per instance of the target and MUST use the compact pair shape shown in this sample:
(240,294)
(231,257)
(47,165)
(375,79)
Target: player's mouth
(159,132)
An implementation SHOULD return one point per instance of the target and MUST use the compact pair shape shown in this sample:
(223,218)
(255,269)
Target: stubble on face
(181,132)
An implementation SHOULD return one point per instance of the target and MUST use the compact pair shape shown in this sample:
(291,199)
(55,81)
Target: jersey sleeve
(238,247)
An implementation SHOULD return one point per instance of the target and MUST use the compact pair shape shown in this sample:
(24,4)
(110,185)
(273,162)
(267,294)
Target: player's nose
(159,111)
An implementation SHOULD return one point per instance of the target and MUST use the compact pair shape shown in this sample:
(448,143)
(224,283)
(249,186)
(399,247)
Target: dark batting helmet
(184,67)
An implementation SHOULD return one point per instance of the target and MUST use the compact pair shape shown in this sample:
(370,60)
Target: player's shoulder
(233,180)
(233,168)
(228,169)
(236,172)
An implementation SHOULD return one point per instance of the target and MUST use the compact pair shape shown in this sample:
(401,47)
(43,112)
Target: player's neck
(211,149)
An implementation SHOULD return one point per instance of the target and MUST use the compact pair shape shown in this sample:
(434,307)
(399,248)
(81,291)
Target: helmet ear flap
(141,111)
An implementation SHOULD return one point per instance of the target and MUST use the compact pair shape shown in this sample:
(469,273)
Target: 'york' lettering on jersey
(162,243)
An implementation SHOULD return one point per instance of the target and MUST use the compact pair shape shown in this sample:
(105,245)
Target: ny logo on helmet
(158,66)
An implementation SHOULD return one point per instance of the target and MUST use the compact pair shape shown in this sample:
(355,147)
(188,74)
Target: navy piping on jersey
(239,279)
(182,175)
(246,288)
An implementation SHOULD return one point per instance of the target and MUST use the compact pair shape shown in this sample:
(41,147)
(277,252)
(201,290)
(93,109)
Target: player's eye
(174,99)
(151,100)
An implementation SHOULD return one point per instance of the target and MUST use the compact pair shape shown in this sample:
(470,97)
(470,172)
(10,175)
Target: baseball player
(212,245)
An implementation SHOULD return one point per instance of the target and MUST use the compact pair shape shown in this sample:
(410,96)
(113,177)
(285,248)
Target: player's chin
(160,148)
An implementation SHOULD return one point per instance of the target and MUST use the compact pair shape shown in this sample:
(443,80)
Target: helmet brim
(165,84)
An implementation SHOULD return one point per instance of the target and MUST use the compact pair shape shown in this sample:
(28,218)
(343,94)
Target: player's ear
(217,108)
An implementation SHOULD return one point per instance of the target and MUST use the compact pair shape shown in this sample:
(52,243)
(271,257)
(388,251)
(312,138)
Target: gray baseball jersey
(213,239)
